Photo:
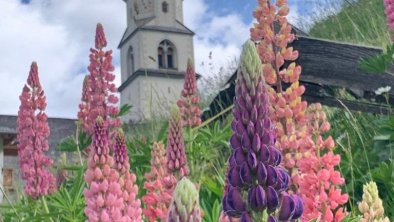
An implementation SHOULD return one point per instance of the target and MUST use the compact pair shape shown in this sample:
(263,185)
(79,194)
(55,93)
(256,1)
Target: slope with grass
(359,22)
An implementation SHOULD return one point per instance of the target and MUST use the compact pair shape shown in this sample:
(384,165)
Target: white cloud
(222,36)
(58,34)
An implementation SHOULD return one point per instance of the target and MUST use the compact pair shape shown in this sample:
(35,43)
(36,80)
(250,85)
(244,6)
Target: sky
(58,34)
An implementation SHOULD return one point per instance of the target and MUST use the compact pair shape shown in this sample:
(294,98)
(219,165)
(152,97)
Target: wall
(1,166)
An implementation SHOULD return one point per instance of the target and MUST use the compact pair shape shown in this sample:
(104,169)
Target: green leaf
(163,132)
(67,145)
(378,63)
(125,109)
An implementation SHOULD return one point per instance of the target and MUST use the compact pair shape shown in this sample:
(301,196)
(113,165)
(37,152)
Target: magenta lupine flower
(84,105)
(176,156)
(103,196)
(188,104)
(33,132)
(159,185)
(254,170)
(132,205)
(101,99)
(389,10)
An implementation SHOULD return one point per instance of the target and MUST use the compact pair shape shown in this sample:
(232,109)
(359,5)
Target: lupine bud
(185,205)
(101,99)
(176,156)
(33,132)
(189,102)
(103,195)
(255,181)
(371,206)
(159,185)
(132,205)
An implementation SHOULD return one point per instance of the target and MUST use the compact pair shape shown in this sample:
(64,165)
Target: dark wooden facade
(327,66)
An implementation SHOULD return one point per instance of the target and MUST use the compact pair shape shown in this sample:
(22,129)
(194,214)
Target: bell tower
(154,52)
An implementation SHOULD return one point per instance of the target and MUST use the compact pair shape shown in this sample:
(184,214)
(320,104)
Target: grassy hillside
(361,22)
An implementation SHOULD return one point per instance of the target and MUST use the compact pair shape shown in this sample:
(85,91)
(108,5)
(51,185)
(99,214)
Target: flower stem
(45,204)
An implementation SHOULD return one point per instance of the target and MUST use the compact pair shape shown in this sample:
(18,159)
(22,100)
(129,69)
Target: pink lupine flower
(188,104)
(308,157)
(103,196)
(84,105)
(159,185)
(33,132)
(389,10)
(132,205)
(319,181)
(176,156)
(101,99)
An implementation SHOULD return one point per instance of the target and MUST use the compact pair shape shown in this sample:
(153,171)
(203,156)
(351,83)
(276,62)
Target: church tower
(154,52)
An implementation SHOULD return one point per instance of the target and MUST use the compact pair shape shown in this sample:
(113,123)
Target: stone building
(154,52)
(60,128)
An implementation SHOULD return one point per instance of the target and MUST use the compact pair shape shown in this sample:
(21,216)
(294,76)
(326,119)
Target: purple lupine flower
(256,182)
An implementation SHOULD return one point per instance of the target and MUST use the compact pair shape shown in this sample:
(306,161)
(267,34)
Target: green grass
(360,22)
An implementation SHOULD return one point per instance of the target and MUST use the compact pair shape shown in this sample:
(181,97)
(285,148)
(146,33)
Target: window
(130,61)
(7,178)
(160,57)
(166,55)
(164,7)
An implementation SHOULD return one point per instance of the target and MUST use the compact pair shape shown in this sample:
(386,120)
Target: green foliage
(379,63)
(125,109)
(67,204)
(139,157)
(208,149)
(70,144)
(383,175)
(211,193)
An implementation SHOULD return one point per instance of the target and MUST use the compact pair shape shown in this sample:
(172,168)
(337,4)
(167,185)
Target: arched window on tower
(166,55)
(164,7)
(130,61)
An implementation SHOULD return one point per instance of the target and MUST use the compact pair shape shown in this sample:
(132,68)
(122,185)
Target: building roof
(60,128)
(143,25)
(327,65)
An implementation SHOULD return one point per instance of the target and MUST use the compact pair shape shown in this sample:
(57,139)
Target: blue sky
(58,34)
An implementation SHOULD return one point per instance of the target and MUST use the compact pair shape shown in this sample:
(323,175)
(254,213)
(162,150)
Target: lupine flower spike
(103,194)
(297,127)
(257,184)
(159,185)
(319,181)
(33,132)
(185,205)
(371,206)
(101,98)
(84,105)
(389,9)
(176,156)
(132,205)
(189,102)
